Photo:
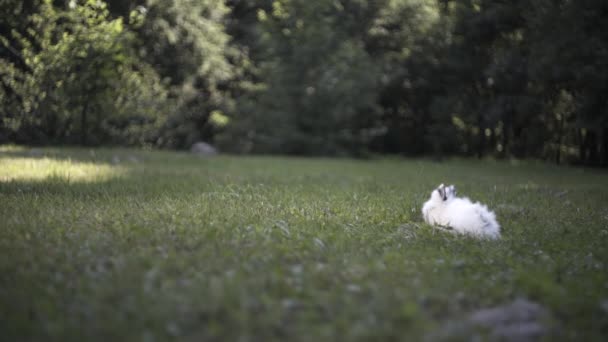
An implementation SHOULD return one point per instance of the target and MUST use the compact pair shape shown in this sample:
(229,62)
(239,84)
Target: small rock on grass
(36,153)
(520,320)
(604,306)
(203,149)
(133,159)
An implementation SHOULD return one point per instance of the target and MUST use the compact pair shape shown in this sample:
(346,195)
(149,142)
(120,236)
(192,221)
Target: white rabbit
(460,214)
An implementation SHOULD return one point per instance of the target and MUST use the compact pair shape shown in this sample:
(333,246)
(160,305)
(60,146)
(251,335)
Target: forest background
(521,79)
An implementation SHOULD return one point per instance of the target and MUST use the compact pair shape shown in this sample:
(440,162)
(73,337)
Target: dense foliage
(79,80)
(332,77)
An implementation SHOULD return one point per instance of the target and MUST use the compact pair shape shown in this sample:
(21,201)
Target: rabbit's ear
(453,189)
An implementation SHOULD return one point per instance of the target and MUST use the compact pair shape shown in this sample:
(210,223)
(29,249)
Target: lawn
(129,245)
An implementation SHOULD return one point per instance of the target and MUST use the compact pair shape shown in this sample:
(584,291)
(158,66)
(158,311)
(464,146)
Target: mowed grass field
(128,245)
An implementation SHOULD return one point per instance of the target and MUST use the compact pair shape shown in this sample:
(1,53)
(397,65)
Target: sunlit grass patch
(39,169)
(12,148)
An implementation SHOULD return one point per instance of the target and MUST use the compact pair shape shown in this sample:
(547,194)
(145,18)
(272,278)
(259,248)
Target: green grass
(164,246)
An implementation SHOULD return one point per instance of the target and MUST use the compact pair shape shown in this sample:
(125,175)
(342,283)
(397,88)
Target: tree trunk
(560,138)
(581,145)
(593,157)
(604,158)
(590,148)
(507,129)
(84,124)
(481,138)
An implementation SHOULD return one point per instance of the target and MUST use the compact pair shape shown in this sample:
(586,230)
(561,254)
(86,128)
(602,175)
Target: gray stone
(521,331)
(520,320)
(203,149)
(604,306)
(520,310)
(133,159)
(35,153)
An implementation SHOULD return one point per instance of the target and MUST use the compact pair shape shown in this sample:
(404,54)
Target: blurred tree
(13,16)
(81,81)
(405,40)
(332,77)
(318,95)
(187,43)
(487,62)
(570,68)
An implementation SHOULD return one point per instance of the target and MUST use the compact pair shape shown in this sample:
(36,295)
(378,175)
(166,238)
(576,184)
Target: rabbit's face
(439,194)
(443,193)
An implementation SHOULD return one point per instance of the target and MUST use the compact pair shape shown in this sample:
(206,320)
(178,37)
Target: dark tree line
(525,79)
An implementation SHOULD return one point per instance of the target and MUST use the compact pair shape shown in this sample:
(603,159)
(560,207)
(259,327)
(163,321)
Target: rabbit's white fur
(460,214)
